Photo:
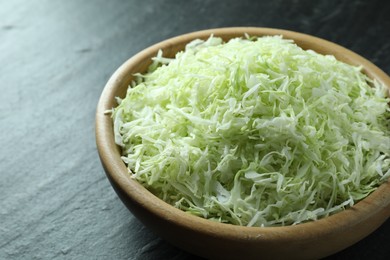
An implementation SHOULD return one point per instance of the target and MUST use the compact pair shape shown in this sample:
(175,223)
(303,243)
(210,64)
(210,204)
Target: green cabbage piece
(255,131)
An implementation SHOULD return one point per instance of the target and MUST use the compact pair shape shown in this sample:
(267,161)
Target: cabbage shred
(255,132)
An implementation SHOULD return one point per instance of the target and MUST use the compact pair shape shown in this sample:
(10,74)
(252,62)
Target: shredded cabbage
(255,131)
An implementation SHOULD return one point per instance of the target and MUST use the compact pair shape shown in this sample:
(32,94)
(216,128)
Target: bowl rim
(378,201)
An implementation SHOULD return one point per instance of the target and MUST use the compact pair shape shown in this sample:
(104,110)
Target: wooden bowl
(208,239)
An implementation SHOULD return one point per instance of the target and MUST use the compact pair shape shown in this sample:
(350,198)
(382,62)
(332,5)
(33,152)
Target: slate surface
(55,57)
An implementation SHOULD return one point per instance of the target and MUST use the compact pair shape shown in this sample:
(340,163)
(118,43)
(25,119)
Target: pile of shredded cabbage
(255,132)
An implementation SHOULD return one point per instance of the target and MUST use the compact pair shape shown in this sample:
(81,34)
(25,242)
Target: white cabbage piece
(255,131)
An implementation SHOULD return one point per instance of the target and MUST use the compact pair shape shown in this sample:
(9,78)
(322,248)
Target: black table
(55,57)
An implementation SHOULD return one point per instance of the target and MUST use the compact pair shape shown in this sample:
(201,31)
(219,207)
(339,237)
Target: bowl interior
(353,223)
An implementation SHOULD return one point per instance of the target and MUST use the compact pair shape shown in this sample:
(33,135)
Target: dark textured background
(55,57)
